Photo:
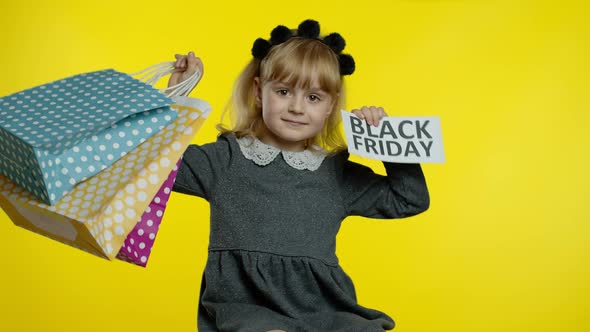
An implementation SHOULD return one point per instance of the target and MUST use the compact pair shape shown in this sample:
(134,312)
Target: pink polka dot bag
(138,244)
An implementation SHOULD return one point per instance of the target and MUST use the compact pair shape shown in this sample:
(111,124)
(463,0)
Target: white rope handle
(154,73)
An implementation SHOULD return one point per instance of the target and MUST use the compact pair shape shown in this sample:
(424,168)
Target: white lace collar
(263,154)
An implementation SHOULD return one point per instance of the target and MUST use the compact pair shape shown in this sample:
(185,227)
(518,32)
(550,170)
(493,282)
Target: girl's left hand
(184,67)
(372,114)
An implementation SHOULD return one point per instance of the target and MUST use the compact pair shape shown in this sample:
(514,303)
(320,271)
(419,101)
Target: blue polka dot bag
(58,134)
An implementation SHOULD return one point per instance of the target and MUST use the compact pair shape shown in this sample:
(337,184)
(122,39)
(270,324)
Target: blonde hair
(298,61)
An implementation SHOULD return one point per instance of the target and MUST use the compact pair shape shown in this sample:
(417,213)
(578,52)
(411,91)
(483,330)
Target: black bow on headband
(307,29)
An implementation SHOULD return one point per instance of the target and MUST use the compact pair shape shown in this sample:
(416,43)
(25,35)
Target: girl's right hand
(185,67)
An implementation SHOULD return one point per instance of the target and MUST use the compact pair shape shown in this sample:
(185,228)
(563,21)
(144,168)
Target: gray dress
(272,261)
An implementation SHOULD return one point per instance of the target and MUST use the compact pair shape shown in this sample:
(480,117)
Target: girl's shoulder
(338,158)
(218,153)
(224,142)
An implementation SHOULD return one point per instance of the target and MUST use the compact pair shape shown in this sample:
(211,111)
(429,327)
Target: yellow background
(505,244)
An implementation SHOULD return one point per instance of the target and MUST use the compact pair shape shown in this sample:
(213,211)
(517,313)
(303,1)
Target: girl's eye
(314,98)
(282,92)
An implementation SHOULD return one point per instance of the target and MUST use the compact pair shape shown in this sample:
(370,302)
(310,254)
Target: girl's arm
(201,167)
(198,167)
(402,193)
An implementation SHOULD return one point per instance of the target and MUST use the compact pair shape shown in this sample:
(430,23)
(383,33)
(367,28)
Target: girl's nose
(296,105)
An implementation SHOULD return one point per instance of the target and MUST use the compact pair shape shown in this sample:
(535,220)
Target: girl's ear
(257,92)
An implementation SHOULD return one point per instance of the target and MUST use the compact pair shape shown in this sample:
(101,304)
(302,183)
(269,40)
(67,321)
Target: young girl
(277,198)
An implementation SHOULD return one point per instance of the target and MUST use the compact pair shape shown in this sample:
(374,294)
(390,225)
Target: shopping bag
(138,245)
(98,214)
(58,134)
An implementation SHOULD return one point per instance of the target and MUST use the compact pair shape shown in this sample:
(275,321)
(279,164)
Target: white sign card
(415,139)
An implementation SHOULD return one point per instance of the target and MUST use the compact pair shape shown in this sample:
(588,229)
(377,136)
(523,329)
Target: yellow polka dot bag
(97,215)
(55,135)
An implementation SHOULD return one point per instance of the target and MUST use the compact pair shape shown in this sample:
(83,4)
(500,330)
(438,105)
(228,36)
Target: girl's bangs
(303,62)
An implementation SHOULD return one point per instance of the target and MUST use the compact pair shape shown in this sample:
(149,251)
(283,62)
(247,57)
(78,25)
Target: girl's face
(291,114)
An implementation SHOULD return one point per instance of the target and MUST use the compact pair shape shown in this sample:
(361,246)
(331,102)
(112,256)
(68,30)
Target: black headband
(309,29)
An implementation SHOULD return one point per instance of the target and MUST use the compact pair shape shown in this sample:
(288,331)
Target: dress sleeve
(201,167)
(402,193)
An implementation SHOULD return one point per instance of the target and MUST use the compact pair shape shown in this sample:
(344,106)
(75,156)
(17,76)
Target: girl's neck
(269,138)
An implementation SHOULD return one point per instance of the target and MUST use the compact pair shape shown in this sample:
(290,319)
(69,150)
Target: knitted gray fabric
(272,261)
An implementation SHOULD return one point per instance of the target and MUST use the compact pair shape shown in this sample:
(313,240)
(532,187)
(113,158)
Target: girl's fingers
(358,113)
(178,58)
(371,114)
(189,60)
(192,62)
(380,113)
(368,115)
(181,61)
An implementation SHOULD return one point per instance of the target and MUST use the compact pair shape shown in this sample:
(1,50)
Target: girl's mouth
(294,123)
